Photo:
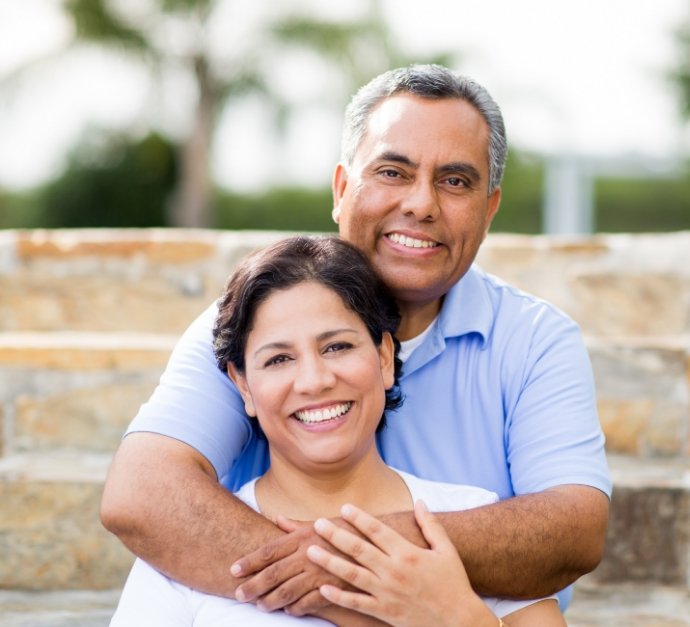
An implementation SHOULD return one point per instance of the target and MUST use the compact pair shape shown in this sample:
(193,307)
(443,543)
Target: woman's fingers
(434,532)
(344,569)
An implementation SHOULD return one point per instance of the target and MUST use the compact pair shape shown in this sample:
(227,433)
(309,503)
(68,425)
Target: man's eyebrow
(460,167)
(396,157)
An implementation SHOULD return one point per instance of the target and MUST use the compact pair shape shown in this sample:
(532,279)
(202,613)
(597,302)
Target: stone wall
(88,319)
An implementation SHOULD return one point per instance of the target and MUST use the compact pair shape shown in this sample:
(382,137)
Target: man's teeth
(410,242)
(321,415)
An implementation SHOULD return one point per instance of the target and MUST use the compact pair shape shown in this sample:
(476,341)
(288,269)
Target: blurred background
(227,114)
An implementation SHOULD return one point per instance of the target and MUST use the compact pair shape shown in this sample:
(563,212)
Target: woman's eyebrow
(283,344)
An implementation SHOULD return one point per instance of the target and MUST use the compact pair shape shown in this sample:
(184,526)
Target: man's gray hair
(426,81)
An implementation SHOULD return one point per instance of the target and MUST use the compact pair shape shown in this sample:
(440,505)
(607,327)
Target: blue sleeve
(195,402)
(552,431)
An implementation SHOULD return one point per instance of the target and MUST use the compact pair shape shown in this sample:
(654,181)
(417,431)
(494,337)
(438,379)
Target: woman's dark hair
(330,261)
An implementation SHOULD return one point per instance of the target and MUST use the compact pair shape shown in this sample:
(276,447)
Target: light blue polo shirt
(500,395)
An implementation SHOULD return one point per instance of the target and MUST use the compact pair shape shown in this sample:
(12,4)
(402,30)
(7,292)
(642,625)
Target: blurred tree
(172,36)
(117,184)
(680,75)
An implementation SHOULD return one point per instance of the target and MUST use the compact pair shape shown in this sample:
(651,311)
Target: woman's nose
(313,375)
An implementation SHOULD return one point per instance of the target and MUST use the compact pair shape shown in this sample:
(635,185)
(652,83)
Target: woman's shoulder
(446,497)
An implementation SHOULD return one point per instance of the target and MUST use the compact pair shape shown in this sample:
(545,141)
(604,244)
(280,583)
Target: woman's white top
(150,599)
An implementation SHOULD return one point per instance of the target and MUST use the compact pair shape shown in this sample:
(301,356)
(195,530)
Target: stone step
(648,538)
(51,537)
(64,608)
(593,605)
(75,390)
(643,394)
(153,280)
(80,390)
(150,280)
(630,604)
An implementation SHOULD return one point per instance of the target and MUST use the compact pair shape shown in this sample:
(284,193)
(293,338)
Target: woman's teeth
(313,416)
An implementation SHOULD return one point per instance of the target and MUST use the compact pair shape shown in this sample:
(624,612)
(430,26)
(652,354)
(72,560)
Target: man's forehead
(412,119)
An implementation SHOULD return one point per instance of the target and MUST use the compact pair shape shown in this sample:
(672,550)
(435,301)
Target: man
(497,384)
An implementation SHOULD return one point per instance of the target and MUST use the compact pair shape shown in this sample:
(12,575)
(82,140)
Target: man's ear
(339,185)
(492,205)
(241,382)
(387,359)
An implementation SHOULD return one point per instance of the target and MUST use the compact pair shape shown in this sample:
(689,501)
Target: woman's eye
(337,347)
(277,359)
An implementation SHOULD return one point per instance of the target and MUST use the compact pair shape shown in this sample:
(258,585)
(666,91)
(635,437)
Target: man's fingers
(269,579)
(310,603)
(264,556)
(286,594)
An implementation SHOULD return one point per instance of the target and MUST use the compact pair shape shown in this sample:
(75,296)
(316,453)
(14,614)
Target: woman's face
(314,377)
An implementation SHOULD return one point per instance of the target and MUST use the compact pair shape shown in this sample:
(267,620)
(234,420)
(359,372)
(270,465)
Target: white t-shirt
(150,599)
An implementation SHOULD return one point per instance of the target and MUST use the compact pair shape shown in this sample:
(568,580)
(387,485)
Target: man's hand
(280,574)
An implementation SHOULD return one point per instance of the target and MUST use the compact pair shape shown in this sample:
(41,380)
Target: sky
(582,77)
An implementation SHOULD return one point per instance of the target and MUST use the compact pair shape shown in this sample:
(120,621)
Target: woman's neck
(310,493)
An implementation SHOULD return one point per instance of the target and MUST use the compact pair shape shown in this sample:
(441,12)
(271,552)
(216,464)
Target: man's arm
(526,546)
(523,547)
(163,501)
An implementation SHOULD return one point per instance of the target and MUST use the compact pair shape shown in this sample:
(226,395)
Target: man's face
(415,198)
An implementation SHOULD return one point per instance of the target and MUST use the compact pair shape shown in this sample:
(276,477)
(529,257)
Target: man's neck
(416,318)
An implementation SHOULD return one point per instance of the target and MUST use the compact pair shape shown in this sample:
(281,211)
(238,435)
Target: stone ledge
(51,537)
(632,605)
(80,350)
(648,538)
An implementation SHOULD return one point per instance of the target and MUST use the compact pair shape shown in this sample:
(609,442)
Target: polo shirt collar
(467,307)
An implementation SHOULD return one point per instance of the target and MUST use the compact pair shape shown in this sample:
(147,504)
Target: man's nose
(422,201)
(313,376)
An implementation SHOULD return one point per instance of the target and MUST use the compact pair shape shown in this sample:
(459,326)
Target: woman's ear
(241,382)
(387,358)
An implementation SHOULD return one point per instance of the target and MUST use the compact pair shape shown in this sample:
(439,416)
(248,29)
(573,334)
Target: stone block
(643,393)
(78,391)
(648,538)
(115,280)
(50,532)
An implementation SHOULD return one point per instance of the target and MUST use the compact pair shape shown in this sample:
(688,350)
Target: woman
(305,330)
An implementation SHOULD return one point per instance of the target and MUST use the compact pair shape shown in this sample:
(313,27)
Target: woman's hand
(400,583)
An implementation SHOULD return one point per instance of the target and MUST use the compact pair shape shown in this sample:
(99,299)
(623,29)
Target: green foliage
(288,209)
(640,205)
(521,203)
(96,22)
(121,185)
(680,75)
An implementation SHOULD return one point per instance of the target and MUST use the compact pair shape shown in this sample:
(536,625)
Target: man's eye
(456,181)
(391,174)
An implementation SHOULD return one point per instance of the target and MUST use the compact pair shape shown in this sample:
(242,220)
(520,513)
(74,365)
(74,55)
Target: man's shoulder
(508,302)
